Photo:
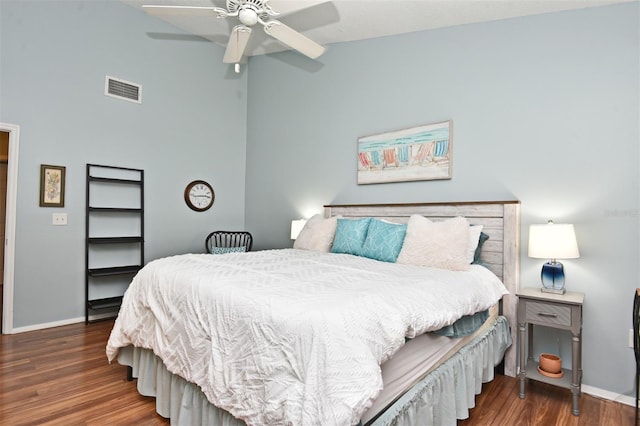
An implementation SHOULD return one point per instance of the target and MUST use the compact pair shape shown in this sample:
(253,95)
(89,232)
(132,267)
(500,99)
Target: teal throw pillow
(384,240)
(350,235)
(224,250)
(476,256)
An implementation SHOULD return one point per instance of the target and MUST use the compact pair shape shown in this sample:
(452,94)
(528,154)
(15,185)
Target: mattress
(417,358)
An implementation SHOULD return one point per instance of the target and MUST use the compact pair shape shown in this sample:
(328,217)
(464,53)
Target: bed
(294,353)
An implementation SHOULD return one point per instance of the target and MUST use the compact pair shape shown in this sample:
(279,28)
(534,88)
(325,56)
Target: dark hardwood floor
(60,376)
(544,405)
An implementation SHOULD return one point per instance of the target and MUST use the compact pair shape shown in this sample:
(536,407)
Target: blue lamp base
(552,276)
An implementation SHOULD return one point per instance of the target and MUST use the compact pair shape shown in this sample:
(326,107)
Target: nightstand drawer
(546,313)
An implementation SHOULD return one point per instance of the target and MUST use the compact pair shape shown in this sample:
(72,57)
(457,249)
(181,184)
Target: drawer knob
(547,314)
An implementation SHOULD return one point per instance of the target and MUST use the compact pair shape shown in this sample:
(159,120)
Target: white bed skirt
(442,397)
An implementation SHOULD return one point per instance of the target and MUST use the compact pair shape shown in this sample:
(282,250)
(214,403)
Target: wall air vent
(122,89)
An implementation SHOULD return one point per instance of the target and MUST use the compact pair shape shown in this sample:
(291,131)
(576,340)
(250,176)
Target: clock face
(199,195)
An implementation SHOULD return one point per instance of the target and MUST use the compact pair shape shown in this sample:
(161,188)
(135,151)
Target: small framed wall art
(51,186)
(417,153)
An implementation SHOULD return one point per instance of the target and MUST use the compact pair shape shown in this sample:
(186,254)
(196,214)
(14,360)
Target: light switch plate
(59,219)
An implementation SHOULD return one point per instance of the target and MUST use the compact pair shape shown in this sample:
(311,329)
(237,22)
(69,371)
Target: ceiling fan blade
(237,44)
(293,39)
(154,9)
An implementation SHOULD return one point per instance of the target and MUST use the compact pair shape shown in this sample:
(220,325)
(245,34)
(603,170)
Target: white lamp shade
(553,241)
(296,227)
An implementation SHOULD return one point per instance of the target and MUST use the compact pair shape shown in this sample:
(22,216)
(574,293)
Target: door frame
(10,226)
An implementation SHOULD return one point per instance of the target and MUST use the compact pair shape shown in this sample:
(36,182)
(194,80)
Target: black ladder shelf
(114,243)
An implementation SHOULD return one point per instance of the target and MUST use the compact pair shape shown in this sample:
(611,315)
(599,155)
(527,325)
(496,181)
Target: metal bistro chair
(228,239)
(636,344)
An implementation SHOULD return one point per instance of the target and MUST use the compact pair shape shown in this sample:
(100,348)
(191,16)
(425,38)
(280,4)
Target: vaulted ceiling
(328,22)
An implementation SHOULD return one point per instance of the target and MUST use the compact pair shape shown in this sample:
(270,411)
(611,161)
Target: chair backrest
(636,325)
(228,239)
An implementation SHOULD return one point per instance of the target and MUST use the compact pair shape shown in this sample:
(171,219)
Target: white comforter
(290,337)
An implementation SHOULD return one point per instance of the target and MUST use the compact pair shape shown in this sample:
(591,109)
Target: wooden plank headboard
(501,252)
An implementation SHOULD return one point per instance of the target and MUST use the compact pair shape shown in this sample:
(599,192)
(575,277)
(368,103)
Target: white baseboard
(611,396)
(69,321)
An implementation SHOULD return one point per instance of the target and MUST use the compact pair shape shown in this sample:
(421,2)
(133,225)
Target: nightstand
(561,311)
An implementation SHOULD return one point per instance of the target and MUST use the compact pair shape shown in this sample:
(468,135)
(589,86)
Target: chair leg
(636,345)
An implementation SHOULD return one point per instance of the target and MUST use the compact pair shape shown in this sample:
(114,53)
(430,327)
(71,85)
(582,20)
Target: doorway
(4,163)
(9,136)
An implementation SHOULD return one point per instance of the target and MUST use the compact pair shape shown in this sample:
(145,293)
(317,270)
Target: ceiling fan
(249,13)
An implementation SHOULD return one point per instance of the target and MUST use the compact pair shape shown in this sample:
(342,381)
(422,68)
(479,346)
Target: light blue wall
(545,110)
(190,125)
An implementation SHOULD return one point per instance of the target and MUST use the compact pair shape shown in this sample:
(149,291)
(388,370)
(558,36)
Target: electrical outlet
(631,338)
(59,219)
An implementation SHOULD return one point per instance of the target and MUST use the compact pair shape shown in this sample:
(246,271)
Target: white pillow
(436,244)
(317,234)
(474,240)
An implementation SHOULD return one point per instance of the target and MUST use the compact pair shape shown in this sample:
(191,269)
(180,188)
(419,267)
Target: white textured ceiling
(328,22)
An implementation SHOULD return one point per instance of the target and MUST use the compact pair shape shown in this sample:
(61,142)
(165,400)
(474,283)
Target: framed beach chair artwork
(418,153)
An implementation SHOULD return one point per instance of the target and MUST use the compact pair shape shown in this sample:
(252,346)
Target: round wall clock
(199,195)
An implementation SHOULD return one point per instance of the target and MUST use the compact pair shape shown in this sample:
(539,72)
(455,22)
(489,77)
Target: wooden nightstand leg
(522,374)
(530,342)
(580,363)
(576,372)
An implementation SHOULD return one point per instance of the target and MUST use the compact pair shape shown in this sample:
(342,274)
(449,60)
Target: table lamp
(553,241)
(296,227)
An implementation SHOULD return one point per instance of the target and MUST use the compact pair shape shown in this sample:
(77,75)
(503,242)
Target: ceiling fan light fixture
(248,17)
